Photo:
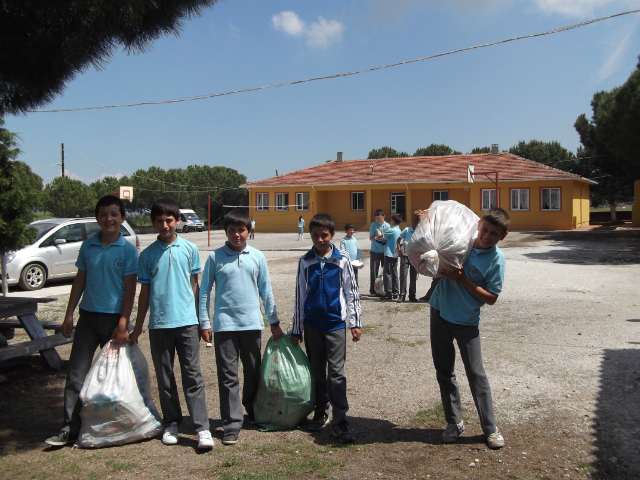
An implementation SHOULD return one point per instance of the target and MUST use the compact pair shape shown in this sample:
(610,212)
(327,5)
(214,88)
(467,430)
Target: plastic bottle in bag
(443,239)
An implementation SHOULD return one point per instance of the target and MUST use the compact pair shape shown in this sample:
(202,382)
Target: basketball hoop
(126,193)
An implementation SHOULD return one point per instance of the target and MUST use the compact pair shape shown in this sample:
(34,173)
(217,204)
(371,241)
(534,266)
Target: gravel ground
(561,349)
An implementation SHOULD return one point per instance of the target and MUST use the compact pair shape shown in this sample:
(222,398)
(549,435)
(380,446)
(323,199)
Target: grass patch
(406,308)
(368,328)
(232,462)
(116,466)
(251,476)
(405,343)
(429,418)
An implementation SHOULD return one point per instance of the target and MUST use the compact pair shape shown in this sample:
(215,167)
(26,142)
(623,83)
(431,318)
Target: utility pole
(62,145)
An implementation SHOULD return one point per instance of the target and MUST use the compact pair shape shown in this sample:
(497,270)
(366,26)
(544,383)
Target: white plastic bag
(378,286)
(443,239)
(117,407)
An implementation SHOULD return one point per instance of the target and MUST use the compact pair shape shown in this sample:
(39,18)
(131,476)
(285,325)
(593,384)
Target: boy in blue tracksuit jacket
(326,298)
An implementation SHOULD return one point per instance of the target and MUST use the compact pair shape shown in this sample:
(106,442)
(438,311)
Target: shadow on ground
(618,416)
(618,247)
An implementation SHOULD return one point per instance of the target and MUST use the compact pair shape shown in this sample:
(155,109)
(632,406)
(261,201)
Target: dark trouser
(93,329)
(165,342)
(432,288)
(328,349)
(231,346)
(375,262)
(390,276)
(407,268)
(444,356)
(253,234)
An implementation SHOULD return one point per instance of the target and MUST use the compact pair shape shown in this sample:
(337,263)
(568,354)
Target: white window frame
(262,202)
(440,192)
(301,205)
(282,202)
(355,195)
(516,203)
(488,200)
(549,189)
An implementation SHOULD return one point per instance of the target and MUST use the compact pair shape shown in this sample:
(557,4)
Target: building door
(399,204)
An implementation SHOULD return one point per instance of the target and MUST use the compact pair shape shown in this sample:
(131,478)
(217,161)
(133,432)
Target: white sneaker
(170,435)
(495,440)
(204,439)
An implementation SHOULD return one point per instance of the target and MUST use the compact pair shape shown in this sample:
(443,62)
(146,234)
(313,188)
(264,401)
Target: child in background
(241,277)
(377,249)
(253,228)
(350,245)
(168,272)
(455,315)
(106,281)
(391,235)
(300,228)
(405,264)
(326,299)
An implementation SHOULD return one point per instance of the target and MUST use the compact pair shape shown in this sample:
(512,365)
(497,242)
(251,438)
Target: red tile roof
(450,168)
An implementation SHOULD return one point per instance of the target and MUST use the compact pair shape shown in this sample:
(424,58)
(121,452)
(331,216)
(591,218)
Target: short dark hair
(165,206)
(379,211)
(397,218)
(322,220)
(109,200)
(498,217)
(237,217)
(348,226)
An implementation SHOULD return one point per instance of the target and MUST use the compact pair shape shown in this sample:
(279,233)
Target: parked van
(190,221)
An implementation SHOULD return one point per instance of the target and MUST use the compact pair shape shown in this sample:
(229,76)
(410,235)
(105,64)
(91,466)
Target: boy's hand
(121,334)
(455,274)
(277,332)
(205,335)
(133,336)
(295,341)
(67,326)
(355,334)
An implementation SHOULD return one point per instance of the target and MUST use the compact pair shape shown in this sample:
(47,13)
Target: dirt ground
(561,348)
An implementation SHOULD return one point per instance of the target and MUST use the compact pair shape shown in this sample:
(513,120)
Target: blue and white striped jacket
(326,298)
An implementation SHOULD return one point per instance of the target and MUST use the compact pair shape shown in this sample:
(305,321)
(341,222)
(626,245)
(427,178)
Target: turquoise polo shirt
(168,269)
(106,268)
(376,246)
(485,268)
(350,245)
(406,234)
(392,235)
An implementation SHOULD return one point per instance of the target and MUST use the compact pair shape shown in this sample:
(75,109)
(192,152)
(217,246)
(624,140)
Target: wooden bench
(47,325)
(33,346)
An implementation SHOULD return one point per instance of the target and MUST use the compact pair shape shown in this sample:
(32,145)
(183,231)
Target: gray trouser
(407,268)
(375,262)
(165,342)
(231,346)
(444,356)
(328,350)
(93,329)
(390,276)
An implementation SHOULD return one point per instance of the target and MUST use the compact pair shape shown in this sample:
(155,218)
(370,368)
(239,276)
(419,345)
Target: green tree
(435,150)
(46,43)
(105,186)
(19,195)
(481,150)
(549,153)
(386,152)
(65,197)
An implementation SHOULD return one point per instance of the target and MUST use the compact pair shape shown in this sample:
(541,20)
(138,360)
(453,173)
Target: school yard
(561,349)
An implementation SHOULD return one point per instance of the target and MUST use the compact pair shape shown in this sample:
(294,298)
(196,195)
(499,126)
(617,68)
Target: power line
(346,74)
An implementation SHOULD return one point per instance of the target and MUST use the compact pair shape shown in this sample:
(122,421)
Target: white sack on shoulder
(117,406)
(443,239)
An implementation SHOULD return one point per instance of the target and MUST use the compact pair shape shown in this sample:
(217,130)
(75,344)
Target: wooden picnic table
(25,310)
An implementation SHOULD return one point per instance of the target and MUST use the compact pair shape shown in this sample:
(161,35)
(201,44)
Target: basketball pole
(209,220)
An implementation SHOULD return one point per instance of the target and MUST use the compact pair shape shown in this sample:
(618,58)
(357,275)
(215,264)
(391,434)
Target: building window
(440,195)
(282,202)
(520,199)
(398,204)
(262,202)
(550,199)
(488,198)
(357,200)
(302,201)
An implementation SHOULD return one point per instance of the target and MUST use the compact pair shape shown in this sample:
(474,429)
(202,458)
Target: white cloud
(619,47)
(75,176)
(581,8)
(318,34)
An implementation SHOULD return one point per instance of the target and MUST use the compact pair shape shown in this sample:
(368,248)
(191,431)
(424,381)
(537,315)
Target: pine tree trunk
(4,275)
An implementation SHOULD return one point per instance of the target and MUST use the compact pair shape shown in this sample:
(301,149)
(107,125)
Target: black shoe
(413,299)
(230,437)
(318,422)
(251,418)
(395,297)
(401,298)
(61,439)
(342,432)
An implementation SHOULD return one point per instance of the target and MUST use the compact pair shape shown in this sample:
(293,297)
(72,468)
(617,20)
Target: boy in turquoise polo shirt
(168,271)
(377,249)
(241,277)
(455,315)
(106,281)
(405,265)
(350,245)
(391,236)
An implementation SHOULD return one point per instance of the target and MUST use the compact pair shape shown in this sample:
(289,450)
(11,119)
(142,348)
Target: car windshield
(43,228)
(191,216)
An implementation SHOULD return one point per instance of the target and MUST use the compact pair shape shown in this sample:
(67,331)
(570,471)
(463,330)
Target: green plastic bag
(287,389)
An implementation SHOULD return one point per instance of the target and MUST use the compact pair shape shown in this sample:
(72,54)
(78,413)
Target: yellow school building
(536,196)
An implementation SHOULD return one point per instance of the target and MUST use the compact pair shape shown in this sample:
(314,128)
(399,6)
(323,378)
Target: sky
(528,89)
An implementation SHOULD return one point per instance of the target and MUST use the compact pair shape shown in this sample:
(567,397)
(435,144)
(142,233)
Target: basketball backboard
(126,193)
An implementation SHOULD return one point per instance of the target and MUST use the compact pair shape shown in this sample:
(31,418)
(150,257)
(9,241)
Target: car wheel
(33,277)
(185,229)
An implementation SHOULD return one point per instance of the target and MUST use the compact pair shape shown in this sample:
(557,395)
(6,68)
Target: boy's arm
(121,333)
(352,299)
(208,279)
(143,307)
(457,275)
(77,288)
(204,333)
(264,289)
(298,306)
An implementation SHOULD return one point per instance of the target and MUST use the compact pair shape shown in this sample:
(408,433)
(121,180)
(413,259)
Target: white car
(55,251)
